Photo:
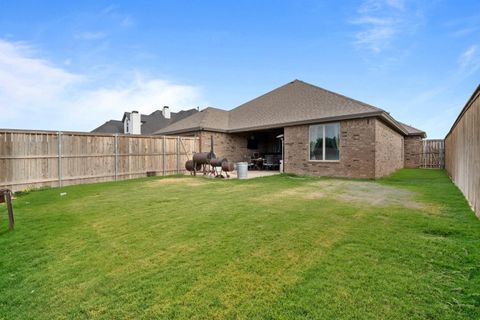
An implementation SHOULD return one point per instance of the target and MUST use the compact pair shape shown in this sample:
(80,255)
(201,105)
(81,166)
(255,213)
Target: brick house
(314,131)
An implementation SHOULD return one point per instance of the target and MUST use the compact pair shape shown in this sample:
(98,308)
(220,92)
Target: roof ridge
(215,108)
(284,85)
(203,118)
(315,87)
(339,95)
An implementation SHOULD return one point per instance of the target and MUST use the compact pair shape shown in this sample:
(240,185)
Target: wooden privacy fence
(462,145)
(433,154)
(32,159)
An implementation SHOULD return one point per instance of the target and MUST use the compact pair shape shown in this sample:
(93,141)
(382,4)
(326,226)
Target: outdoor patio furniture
(256,162)
(271,162)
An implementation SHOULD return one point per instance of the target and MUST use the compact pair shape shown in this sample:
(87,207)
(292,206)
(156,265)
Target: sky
(72,65)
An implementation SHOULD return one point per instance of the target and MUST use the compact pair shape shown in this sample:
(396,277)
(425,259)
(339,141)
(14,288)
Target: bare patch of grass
(187,181)
(358,192)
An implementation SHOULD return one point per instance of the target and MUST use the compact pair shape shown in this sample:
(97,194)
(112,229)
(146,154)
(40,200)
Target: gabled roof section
(207,119)
(296,102)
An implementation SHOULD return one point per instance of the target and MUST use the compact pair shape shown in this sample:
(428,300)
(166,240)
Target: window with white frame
(325,142)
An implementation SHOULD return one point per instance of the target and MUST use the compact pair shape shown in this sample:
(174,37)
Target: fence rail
(433,154)
(32,159)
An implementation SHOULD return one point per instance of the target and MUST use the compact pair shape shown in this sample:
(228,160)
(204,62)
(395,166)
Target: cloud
(464,25)
(25,80)
(468,56)
(377,33)
(109,9)
(397,4)
(93,107)
(113,11)
(91,35)
(464,31)
(379,22)
(35,94)
(469,62)
(127,22)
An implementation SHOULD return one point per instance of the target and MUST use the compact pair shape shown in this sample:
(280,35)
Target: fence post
(442,154)
(116,156)
(178,154)
(59,149)
(163,156)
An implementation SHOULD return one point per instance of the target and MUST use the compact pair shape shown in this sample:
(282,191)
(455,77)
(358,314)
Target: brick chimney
(166,112)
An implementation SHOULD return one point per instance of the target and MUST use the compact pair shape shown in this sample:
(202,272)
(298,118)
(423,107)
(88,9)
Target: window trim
(324,145)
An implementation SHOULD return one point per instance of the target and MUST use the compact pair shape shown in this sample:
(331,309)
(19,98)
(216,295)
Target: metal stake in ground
(6,196)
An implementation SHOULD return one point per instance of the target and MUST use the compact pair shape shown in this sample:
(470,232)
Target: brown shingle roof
(207,119)
(413,131)
(294,103)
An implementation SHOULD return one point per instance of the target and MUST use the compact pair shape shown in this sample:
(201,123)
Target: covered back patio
(263,149)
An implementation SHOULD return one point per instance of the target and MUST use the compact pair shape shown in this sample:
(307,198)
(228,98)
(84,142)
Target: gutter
(388,118)
(309,121)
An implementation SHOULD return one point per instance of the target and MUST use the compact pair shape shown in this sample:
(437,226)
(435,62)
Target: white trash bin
(242,170)
(281,166)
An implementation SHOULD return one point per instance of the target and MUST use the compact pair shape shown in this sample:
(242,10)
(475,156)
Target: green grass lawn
(281,247)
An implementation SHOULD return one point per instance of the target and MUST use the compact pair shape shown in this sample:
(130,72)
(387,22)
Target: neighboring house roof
(295,103)
(150,122)
(111,126)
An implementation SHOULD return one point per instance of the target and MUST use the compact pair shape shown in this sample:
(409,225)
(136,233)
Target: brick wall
(230,146)
(357,151)
(368,149)
(388,150)
(413,151)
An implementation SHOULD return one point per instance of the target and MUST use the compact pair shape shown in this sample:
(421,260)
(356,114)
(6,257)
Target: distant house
(313,130)
(135,123)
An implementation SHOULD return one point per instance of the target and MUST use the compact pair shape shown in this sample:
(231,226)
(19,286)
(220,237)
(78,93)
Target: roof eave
(382,114)
(421,134)
(310,121)
(188,130)
(393,123)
